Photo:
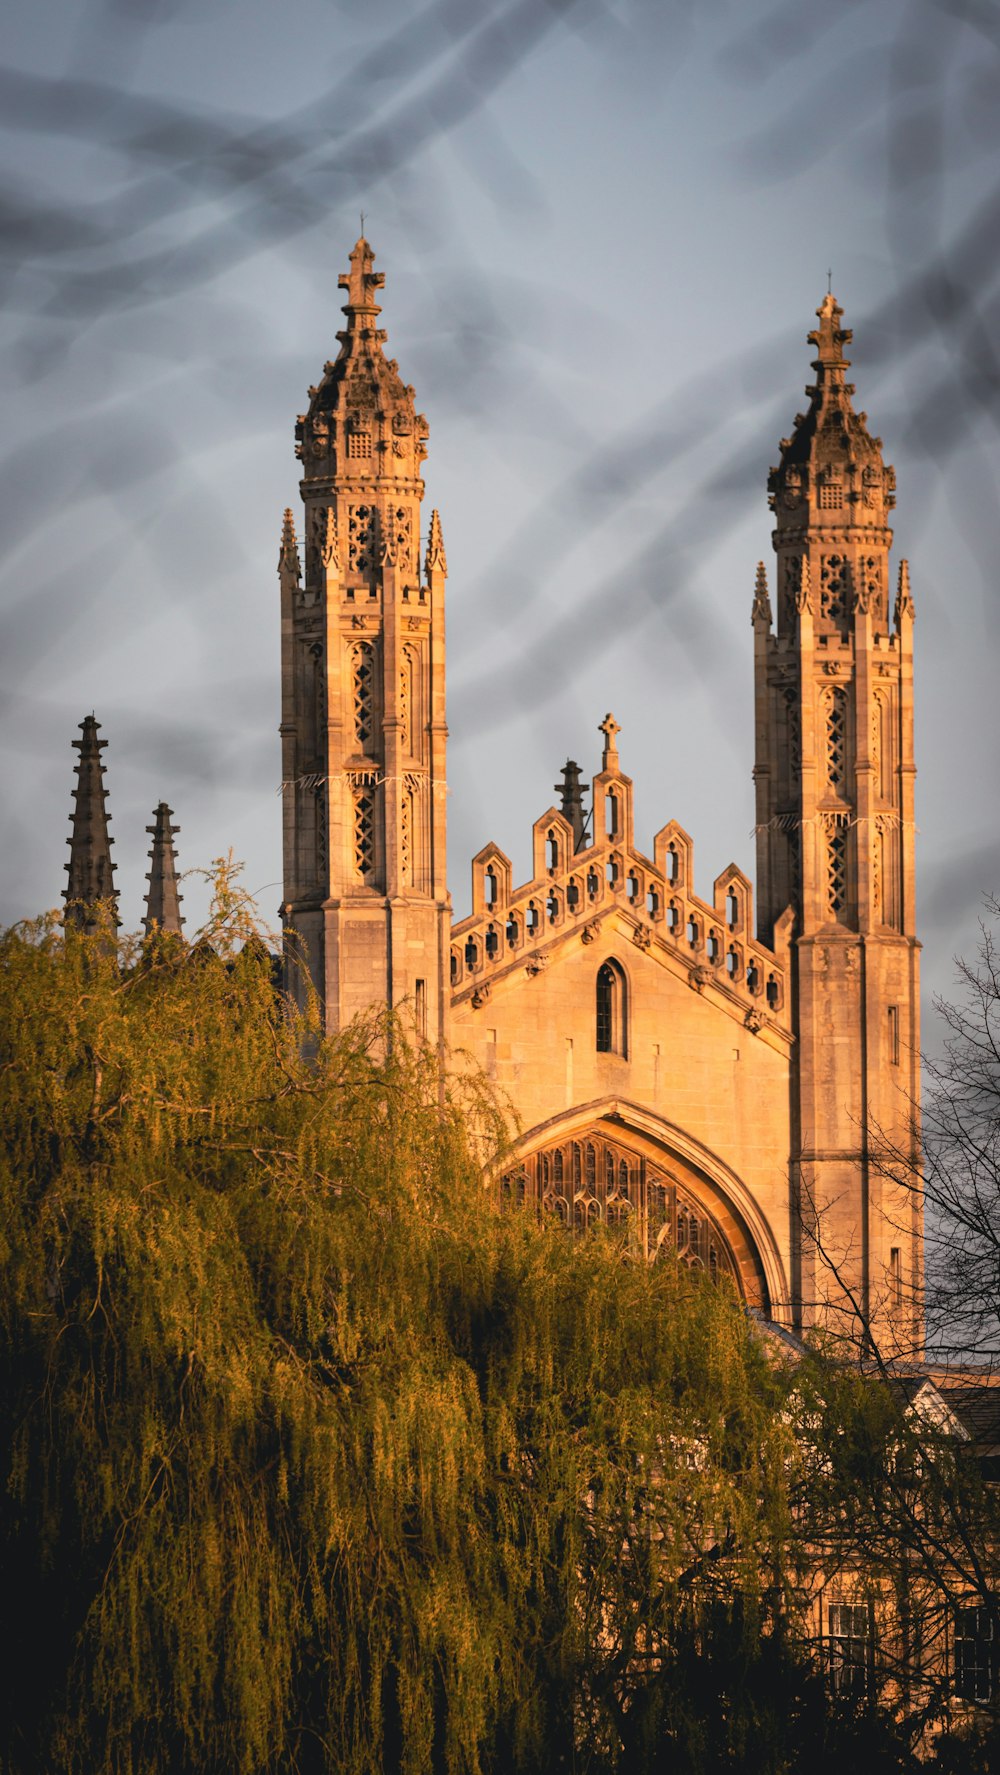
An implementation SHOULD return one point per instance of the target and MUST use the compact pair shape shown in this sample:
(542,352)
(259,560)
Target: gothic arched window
(837,739)
(612,1009)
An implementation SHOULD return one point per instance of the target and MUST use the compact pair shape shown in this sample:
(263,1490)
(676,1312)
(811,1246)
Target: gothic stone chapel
(705,1070)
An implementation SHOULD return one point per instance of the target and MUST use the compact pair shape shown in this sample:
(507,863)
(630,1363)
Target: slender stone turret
(163,901)
(90,869)
(363,689)
(834,780)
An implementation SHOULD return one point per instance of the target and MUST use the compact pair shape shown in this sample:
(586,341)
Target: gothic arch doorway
(599,1170)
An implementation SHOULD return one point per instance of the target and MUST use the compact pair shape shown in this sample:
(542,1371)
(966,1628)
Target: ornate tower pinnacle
(761,610)
(90,869)
(163,901)
(363,724)
(831,495)
(434,555)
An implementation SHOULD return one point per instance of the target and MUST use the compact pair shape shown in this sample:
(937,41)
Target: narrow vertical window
(611,1009)
(893,1015)
(836,872)
(975,1653)
(420,1007)
(836,742)
(364,834)
(896,1276)
(850,1648)
(363,687)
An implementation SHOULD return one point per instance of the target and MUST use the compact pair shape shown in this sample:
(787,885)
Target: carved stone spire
(329,548)
(570,792)
(361,432)
(90,869)
(434,555)
(163,901)
(904,599)
(289,565)
(761,611)
(832,494)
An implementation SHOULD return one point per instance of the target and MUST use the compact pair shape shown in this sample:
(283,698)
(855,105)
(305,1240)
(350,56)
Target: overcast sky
(605,226)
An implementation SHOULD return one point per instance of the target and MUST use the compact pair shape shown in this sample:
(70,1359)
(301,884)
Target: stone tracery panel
(592,1180)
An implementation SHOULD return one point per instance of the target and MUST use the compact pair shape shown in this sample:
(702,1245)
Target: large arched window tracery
(590,1179)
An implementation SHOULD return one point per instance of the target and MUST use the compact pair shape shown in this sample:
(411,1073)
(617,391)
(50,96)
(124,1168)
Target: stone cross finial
(361,281)
(610,729)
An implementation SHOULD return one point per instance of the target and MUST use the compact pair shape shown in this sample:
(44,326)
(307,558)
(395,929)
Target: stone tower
(90,869)
(834,782)
(363,690)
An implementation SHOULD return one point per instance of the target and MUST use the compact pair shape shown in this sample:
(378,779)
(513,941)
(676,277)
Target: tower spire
(571,792)
(434,555)
(90,869)
(163,901)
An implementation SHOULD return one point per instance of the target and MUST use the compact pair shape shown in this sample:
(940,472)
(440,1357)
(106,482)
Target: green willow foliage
(313,1459)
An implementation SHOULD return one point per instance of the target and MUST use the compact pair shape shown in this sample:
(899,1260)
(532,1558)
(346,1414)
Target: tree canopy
(314,1459)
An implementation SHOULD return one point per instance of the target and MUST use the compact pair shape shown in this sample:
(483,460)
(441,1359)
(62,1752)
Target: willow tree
(314,1460)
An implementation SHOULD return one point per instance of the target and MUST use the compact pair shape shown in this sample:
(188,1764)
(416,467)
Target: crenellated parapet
(574,889)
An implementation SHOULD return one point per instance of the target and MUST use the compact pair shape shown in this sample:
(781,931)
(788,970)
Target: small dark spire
(163,902)
(90,869)
(571,792)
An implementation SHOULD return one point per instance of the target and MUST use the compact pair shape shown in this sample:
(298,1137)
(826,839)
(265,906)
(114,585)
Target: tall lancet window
(612,1009)
(836,742)
(363,688)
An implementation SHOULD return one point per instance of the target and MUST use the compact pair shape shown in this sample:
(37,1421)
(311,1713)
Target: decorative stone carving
(761,608)
(792,493)
(754,1020)
(642,938)
(904,601)
(803,590)
(481,996)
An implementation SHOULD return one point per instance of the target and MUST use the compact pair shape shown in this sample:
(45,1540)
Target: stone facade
(707,1074)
